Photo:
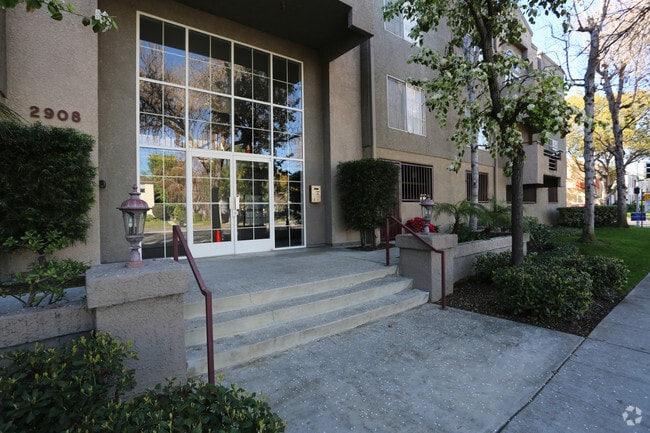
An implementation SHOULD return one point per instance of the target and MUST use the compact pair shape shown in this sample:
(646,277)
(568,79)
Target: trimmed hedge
(46,186)
(604,216)
(558,283)
(543,290)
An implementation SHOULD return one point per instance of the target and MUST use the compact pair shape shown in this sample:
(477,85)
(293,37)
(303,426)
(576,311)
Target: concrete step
(246,347)
(254,297)
(248,319)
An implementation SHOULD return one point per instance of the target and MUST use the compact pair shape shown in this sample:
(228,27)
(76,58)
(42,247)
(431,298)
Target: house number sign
(48,113)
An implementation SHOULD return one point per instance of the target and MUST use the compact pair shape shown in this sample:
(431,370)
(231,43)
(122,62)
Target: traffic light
(647,170)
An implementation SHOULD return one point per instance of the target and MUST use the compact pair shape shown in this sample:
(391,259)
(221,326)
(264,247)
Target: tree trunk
(470,53)
(614,103)
(588,225)
(517,207)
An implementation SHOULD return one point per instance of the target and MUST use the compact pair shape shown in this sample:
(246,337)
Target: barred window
(482,186)
(417,180)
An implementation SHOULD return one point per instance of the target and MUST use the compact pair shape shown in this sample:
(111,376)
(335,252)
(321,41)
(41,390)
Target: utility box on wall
(314,194)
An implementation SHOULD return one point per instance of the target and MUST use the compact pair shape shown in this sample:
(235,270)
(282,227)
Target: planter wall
(52,325)
(424,266)
(143,305)
(466,252)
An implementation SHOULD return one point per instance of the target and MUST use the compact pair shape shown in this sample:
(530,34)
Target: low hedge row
(604,216)
(78,388)
(561,283)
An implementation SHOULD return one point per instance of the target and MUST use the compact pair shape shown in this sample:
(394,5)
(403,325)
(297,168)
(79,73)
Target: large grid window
(482,186)
(406,109)
(417,180)
(202,93)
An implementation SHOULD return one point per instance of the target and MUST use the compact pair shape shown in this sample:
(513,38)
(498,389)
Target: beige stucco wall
(344,131)
(53,64)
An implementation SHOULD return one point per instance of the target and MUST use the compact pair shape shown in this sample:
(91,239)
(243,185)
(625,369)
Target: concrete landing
(424,370)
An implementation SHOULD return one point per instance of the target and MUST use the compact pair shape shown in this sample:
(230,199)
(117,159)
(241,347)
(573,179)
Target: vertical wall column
(143,305)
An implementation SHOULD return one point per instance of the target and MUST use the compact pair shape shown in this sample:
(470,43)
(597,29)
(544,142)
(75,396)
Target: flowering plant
(417,225)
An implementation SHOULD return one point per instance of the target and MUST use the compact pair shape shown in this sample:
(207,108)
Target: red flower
(417,225)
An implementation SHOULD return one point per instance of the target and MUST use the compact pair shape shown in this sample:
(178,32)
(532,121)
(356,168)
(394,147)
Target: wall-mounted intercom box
(314,194)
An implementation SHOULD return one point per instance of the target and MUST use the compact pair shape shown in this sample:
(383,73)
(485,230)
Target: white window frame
(399,26)
(413,117)
(482,140)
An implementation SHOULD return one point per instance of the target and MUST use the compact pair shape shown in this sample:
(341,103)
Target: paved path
(605,384)
(428,370)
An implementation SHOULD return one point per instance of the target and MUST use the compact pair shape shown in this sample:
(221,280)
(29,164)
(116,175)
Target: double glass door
(230,205)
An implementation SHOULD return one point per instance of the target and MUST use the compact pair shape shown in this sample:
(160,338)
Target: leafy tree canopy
(504,100)
(100,21)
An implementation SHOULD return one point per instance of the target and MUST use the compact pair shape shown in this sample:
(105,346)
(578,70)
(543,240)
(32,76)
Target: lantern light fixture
(134,212)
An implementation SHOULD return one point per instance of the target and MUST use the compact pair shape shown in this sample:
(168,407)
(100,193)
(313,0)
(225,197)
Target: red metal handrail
(179,237)
(443,286)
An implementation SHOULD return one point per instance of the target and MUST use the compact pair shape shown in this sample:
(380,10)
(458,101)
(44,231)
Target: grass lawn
(632,245)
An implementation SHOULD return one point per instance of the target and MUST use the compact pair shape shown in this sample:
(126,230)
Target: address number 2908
(49,113)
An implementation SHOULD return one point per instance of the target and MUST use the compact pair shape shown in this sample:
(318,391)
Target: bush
(604,216)
(367,194)
(77,389)
(545,290)
(44,282)
(196,407)
(46,185)
(540,234)
(57,389)
(486,264)
(608,274)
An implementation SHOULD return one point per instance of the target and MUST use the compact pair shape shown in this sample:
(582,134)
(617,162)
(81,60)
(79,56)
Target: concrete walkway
(429,370)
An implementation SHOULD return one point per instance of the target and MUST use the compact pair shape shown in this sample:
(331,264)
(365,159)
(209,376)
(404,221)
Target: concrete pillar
(143,305)
(424,266)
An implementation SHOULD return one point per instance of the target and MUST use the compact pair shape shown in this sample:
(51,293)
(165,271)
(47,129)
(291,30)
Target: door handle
(235,210)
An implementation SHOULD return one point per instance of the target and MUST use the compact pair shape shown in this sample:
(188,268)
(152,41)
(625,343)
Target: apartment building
(233,116)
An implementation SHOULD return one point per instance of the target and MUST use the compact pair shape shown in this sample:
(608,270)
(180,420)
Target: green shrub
(545,290)
(608,274)
(196,407)
(44,282)
(574,216)
(486,264)
(77,389)
(46,185)
(56,389)
(367,194)
(540,234)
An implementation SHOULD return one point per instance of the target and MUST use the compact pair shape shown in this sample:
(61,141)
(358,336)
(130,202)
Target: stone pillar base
(424,266)
(143,305)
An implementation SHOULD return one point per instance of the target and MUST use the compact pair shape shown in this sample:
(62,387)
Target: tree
(502,102)
(633,114)
(608,26)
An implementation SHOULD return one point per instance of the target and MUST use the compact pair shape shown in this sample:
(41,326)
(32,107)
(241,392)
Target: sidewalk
(605,385)
(428,370)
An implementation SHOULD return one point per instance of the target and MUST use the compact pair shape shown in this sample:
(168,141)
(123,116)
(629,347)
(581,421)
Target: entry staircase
(248,326)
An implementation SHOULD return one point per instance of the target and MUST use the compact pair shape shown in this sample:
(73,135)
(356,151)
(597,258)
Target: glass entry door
(230,205)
